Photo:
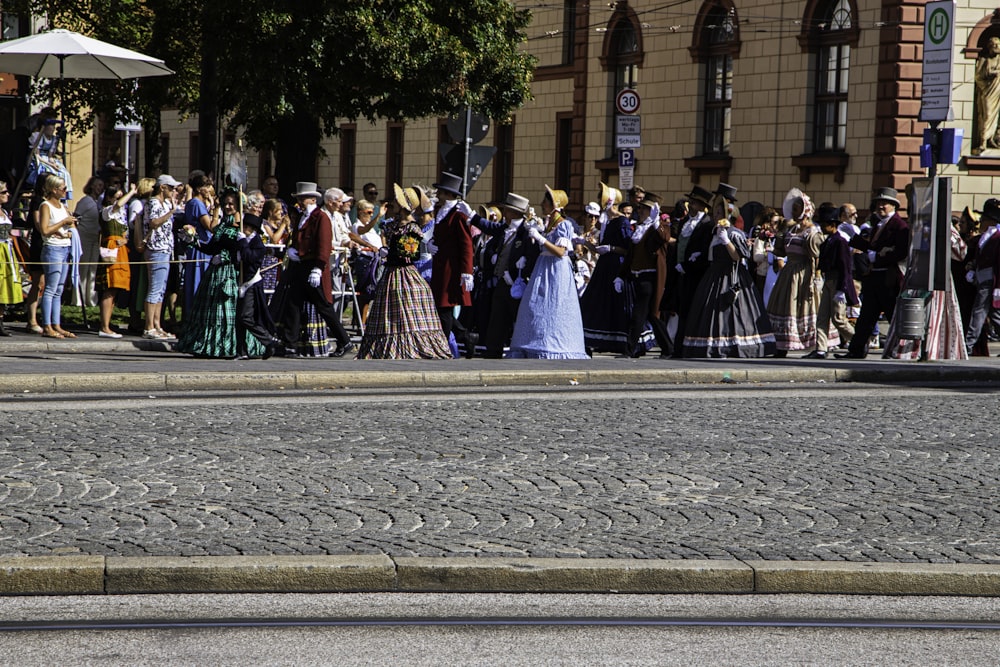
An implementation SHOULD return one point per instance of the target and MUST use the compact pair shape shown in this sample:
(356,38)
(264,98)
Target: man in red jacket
(451,276)
(308,274)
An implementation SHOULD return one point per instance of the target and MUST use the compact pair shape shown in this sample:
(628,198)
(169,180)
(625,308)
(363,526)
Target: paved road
(503,630)
(838,473)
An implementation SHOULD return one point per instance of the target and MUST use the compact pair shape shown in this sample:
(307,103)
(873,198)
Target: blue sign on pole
(626,158)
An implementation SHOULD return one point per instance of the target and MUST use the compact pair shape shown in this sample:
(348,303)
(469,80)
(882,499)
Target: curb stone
(97,575)
(19,383)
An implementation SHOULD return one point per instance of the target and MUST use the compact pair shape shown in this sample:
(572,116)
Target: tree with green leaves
(284,73)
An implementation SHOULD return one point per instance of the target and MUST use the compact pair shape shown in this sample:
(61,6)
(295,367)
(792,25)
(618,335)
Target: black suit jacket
(522,246)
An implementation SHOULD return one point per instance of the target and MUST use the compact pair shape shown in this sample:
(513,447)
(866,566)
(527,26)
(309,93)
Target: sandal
(67,334)
(33,328)
(53,334)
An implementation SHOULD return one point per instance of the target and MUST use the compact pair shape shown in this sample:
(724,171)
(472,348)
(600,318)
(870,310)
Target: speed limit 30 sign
(627,101)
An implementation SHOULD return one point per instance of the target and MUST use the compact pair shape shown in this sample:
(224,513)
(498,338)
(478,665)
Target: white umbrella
(58,54)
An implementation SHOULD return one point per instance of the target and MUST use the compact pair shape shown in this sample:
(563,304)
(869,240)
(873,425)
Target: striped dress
(403,322)
(793,303)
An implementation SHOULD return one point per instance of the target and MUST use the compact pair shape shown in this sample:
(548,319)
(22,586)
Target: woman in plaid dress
(403,322)
(210,329)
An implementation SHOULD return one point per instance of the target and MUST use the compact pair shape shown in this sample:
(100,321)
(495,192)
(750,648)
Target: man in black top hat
(451,274)
(693,241)
(887,249)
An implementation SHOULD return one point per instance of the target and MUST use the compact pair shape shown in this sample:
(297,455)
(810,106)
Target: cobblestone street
(831,473)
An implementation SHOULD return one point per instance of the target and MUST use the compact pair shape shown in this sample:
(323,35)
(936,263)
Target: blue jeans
(159,269)
(55,263)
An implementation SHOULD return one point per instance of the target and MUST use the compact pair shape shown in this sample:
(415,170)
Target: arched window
(829,31)
(625,49)
(716,44)
(621,57)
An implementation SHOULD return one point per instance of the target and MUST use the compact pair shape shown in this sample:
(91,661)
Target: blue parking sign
(626,158)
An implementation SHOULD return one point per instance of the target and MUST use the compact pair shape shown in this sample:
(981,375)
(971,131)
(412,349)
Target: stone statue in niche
(987,98)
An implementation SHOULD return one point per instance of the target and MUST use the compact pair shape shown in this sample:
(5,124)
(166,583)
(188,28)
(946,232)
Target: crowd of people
(430,277)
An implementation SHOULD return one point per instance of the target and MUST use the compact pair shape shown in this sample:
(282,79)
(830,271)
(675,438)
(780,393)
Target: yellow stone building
(823,95)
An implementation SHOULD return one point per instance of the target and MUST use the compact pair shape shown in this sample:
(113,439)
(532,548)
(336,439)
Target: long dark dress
(607,314)
(210,325)
(402,320)
(717,328)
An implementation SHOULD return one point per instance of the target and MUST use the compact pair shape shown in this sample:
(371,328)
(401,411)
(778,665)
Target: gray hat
(167,179)
(887,194)
(516,202)
(306,189)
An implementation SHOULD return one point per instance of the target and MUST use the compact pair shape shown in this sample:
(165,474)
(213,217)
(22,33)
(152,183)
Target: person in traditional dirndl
(549,325)
(11,290)
(793,302)
(403,321)
(731,321)
(210,328)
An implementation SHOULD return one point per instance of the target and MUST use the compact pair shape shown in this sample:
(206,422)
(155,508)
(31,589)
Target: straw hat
(559,198)
(609,194)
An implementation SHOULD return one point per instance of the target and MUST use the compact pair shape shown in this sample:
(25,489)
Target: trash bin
(912,317)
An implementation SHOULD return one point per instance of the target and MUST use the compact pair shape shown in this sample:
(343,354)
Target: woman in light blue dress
(548,323)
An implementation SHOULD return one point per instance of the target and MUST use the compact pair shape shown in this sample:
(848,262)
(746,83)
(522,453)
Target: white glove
(722,235)
(970,277)
(619,285)
(431,246)
(654,213)
(463,207)
(494,258)
(839,297)
(467,282)
(679,268)
(521,263)
(603,249)
(215,261)
(507,279)
(871,255)
(383,252)
(694,256)
(292,254)
(536,236)
(315,277)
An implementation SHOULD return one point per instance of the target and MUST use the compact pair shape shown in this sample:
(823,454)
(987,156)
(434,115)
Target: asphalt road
(781,473)
(447,629)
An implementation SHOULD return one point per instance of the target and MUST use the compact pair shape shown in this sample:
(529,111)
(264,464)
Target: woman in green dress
(210,324)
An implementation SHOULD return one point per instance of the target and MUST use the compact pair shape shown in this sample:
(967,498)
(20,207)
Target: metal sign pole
(468,145)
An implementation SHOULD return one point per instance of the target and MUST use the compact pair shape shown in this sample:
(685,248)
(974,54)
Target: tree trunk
(153,157)
(208,104)
(296,152)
